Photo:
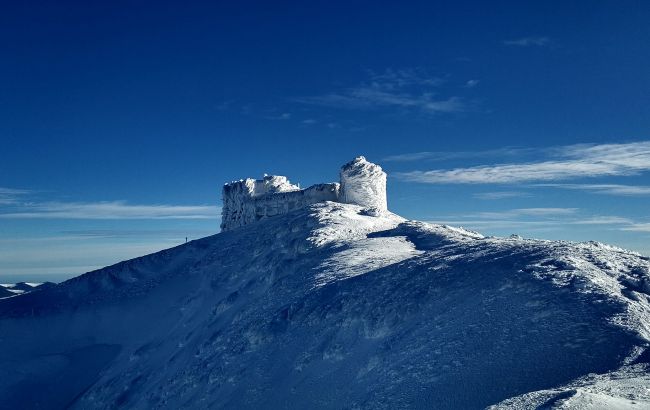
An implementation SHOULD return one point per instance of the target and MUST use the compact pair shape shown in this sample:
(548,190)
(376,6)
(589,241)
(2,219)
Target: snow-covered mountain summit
(333,306)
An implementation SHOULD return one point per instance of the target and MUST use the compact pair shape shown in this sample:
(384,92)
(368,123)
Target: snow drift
(330,307)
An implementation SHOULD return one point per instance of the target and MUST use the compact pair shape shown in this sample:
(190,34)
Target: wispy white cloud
(519,218)
(607,189)
(54,248)
(602,220)
(369,97)
(557,227)
(134,233)
(542,219)
(400,78)
(407,88)
(107,210)
(500,195)
(637,227)
(528,41)
(11,196)
(449,155)
(498,224)
(282,116)
(524,212)
(74,258)
(575,161)
(471,83)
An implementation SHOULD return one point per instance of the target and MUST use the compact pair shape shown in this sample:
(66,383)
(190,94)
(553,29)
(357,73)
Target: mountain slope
(328,307)
(13,289)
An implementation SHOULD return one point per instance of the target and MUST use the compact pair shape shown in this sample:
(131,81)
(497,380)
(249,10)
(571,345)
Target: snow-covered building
(363,183)
(248,200)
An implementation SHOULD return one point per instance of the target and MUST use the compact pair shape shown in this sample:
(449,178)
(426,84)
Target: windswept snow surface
(624,389)
(335,307)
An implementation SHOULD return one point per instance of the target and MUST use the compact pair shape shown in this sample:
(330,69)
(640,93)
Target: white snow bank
(625,389)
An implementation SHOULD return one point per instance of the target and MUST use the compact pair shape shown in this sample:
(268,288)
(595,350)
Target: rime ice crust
(239,198)
(248,200)
(363,183)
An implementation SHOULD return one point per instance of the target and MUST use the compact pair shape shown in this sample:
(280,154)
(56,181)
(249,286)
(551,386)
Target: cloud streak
(528,42)
(282,117)
(543,219)
(575,161)
(108,210)
(519,218)
(400,78)
(602,220)
(605,189)
(406,89)
(500,195)
(449,155)
(370,98)
(637,227)
(11,196)
(526,212)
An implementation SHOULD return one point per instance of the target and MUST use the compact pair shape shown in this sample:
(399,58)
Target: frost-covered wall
(363,183)
(249,200)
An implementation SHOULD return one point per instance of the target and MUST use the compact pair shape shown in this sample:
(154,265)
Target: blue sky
(119,122)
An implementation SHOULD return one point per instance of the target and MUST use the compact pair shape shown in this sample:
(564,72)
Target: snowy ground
(328,307)
(625,388)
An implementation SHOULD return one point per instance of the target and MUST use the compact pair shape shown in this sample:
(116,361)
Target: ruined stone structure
(363,183)
(246,201)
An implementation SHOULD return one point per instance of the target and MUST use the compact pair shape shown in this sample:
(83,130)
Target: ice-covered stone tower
(363,183)
(248,200)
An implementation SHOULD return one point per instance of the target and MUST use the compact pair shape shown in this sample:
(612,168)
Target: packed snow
(333,306)
(627,388)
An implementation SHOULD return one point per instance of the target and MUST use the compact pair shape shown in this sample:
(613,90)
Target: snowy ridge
(331,307)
